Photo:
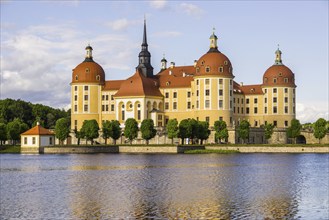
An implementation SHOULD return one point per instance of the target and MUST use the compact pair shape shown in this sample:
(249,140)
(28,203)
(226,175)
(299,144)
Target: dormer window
(274,80)
(167,83)
(207,69)
(221,69)
(280,74)
(197,69)
(286,80)
(98,78)
(265,79)
(87,70)
(225,62)
(202,62)
(76,77)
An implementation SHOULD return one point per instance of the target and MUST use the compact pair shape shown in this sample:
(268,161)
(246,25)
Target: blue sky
(41,42)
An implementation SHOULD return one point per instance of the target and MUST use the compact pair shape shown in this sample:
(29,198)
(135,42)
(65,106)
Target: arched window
(76,77)
(98,78)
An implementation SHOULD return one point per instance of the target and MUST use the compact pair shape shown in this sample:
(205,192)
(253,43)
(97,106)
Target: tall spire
(278,60)
(145,57)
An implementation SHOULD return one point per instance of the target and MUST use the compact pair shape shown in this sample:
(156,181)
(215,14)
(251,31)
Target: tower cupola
(89,53)
(278,60)
(163,63)
(213,42)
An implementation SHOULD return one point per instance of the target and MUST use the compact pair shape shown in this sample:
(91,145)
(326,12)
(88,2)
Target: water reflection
(104,186)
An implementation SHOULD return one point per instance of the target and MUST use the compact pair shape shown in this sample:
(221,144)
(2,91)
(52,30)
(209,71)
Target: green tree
(221,131)
(111,129)
(243,130)
(294,130)
(184,130)
(79,135)
(320,129)
(131,129)
(172,129)
(62,129)
(115,130)
(147,129)
(193,127)
(14,129)
(203,131)
(3,133)
(268,130)
(90,130)
(106,130)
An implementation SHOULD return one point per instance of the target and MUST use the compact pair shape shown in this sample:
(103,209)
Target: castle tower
(144,57)
(87,80)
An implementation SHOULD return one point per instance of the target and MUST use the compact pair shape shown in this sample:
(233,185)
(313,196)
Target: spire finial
(278,60)
(213,30)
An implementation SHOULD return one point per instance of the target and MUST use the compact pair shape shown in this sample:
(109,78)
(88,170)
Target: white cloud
(191,9)
(122,24)
(37,62)
(309,113)
(158,4)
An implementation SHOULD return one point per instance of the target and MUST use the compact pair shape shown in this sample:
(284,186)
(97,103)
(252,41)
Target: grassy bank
(10,149)
(211,151)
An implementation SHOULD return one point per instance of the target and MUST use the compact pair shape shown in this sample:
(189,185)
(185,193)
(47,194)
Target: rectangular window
(86,97)
(207,82)
(233,109)
(294,109)
(286,99)
(188,105)
(275,109)
(112,98)
(174,105)
(275,99)
(106,108)
(242,101)
(275,123)
(75,108)
(255,110)
(207,92)
(207,119)
(247,101)
(107,97)
(86,88)
(231,105)
(75,124)
(75,98)
(238,110)
(220,81)
(233,100)
(241,110)
(33,140)
(197,82)
(265,90)
(85,108)
(265,100)
(220,103)
(231,93)
(112,108)
(188,94)
(166,105)
(238,100)
(265,110)
(25,140)
(221,118)
(275,90)
(220,92)
(286,123)
(207,104)
(103,107)
(138,114)
(123,115)
(247,110)
(256,123)
(255,100)
(103,97)
(175,95)
(285,90)
(286,109)
(159,117)
(75,88)
(197,104)
(50,140)
(167,95)
(197,93)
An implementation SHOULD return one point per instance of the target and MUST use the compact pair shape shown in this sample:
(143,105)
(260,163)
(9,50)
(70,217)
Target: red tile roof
(38,130)
(248,89)
(112,84)
(176,77)
(139,85)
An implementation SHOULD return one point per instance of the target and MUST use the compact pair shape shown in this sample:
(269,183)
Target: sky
(42,41)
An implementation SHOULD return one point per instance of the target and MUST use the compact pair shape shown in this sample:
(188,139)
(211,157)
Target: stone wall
(272,149)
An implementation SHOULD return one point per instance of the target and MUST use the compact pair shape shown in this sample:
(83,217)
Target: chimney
(172,65)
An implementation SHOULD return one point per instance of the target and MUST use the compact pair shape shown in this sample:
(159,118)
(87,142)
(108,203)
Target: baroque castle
(205,91)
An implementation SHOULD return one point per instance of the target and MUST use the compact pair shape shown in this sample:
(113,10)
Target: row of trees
(12,131)
(30,114)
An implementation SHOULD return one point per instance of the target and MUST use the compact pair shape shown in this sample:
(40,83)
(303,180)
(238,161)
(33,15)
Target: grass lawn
(10,149)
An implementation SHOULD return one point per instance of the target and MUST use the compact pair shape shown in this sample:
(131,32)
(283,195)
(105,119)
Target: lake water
(117,186)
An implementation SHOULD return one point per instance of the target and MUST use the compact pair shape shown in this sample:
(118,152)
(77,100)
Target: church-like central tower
(144,57)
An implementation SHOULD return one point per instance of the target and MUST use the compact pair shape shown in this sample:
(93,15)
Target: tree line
(17,116)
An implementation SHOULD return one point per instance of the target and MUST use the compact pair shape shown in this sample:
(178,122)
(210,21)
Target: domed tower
(87,81)
(279,93)
(213,85)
